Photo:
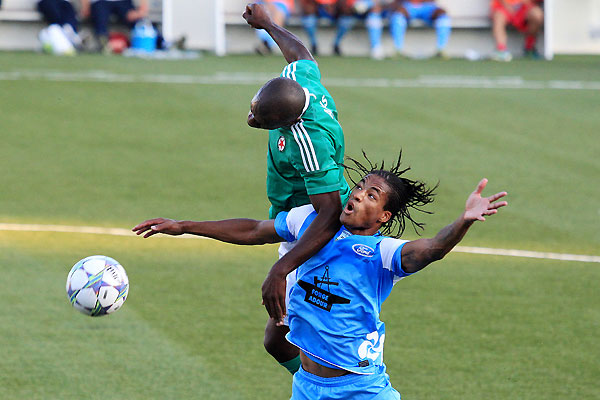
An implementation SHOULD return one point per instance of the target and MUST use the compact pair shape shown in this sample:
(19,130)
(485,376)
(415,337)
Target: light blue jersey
(334,307)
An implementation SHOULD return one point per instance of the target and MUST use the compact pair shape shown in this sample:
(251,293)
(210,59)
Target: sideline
(246,78)
(459,249)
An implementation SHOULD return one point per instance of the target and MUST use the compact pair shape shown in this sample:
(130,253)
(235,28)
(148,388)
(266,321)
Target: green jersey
(306,158)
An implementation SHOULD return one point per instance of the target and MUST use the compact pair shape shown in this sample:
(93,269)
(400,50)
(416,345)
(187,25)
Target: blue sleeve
(281,227)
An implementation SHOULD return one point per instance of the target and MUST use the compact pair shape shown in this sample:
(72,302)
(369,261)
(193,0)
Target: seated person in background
(525,15)
(338,11)
(101,10)
(62,13)
(400,13)
(335,304)
(279,10)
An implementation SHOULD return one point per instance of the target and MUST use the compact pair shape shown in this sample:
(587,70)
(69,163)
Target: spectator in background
(101,10)
(62,13)
(279,10)
(338,11)
(525,15)
(400,12)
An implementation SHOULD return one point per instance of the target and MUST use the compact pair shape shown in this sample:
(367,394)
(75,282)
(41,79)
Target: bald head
(278,103)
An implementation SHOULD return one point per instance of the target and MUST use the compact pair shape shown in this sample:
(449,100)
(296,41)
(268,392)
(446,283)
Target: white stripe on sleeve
(301,147)
(388,247)
(312,149)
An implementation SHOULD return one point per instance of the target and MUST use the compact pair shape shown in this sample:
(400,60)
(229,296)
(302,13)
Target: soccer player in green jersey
(304,166)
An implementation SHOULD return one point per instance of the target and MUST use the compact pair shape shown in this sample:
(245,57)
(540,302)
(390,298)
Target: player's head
(383,199)
(280,102)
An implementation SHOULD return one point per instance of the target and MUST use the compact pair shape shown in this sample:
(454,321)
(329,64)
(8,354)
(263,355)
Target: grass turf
(113,154)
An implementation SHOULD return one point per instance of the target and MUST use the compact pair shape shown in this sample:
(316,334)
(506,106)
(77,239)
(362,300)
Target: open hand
(158,225)
(478,207)
(256,16)
(273,294)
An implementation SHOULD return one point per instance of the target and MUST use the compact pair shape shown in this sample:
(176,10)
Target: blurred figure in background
(62,14)
(100,11)
(339,12)
(279,10)
(525,15)
(430,14)
(312,10)
(400,13)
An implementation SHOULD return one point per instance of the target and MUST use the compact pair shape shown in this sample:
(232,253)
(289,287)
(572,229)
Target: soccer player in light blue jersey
(335,305)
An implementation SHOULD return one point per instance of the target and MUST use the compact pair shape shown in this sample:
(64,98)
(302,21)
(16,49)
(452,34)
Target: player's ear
(384,217)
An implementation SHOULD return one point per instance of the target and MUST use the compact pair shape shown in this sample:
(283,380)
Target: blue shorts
(422,11)
(307,386)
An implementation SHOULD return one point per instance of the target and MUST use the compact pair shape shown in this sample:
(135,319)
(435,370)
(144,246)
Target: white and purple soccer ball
(97,285)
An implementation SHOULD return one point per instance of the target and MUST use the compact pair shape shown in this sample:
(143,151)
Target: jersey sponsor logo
(316,294)
(372,347)
(281,143)
(363,250)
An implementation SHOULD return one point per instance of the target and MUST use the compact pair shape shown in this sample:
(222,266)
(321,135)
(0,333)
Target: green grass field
(99,141)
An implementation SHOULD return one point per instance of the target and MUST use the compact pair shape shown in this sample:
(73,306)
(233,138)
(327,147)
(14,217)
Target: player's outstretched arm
(291,47)
(237,231)
(417,254)
(317,235)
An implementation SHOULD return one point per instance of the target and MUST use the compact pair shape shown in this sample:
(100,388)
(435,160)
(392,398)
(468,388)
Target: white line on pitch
(247,78)
(460,249)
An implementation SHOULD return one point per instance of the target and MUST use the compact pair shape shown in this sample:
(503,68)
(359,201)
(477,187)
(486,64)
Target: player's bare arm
(317,235)
(291,47)
(242,231)
(417,254)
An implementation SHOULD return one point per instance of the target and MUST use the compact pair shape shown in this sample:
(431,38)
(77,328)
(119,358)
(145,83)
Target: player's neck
(363,231)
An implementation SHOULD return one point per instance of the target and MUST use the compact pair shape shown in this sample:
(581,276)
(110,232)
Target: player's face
(364,212)
(270,121)
(253,121)
(256,120)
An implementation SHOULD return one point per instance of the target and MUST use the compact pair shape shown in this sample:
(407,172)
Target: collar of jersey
(306,100)
(344,233)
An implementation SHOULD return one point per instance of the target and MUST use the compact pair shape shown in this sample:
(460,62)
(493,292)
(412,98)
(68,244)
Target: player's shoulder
(291,224)
(301,213)
(388,248)
(302,70)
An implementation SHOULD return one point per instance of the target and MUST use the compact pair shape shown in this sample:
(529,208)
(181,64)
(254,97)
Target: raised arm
(417,254)
(317,235)
(291,47)
(237,231)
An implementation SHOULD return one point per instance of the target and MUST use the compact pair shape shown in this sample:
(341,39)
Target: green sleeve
(323,182)
(302,71)
(315,160)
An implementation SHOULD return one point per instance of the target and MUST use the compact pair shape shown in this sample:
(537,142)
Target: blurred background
(216,25)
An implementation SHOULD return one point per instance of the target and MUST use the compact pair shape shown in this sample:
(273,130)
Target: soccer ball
(97,285)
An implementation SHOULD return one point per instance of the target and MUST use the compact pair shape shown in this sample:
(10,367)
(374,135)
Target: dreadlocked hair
(405,194)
